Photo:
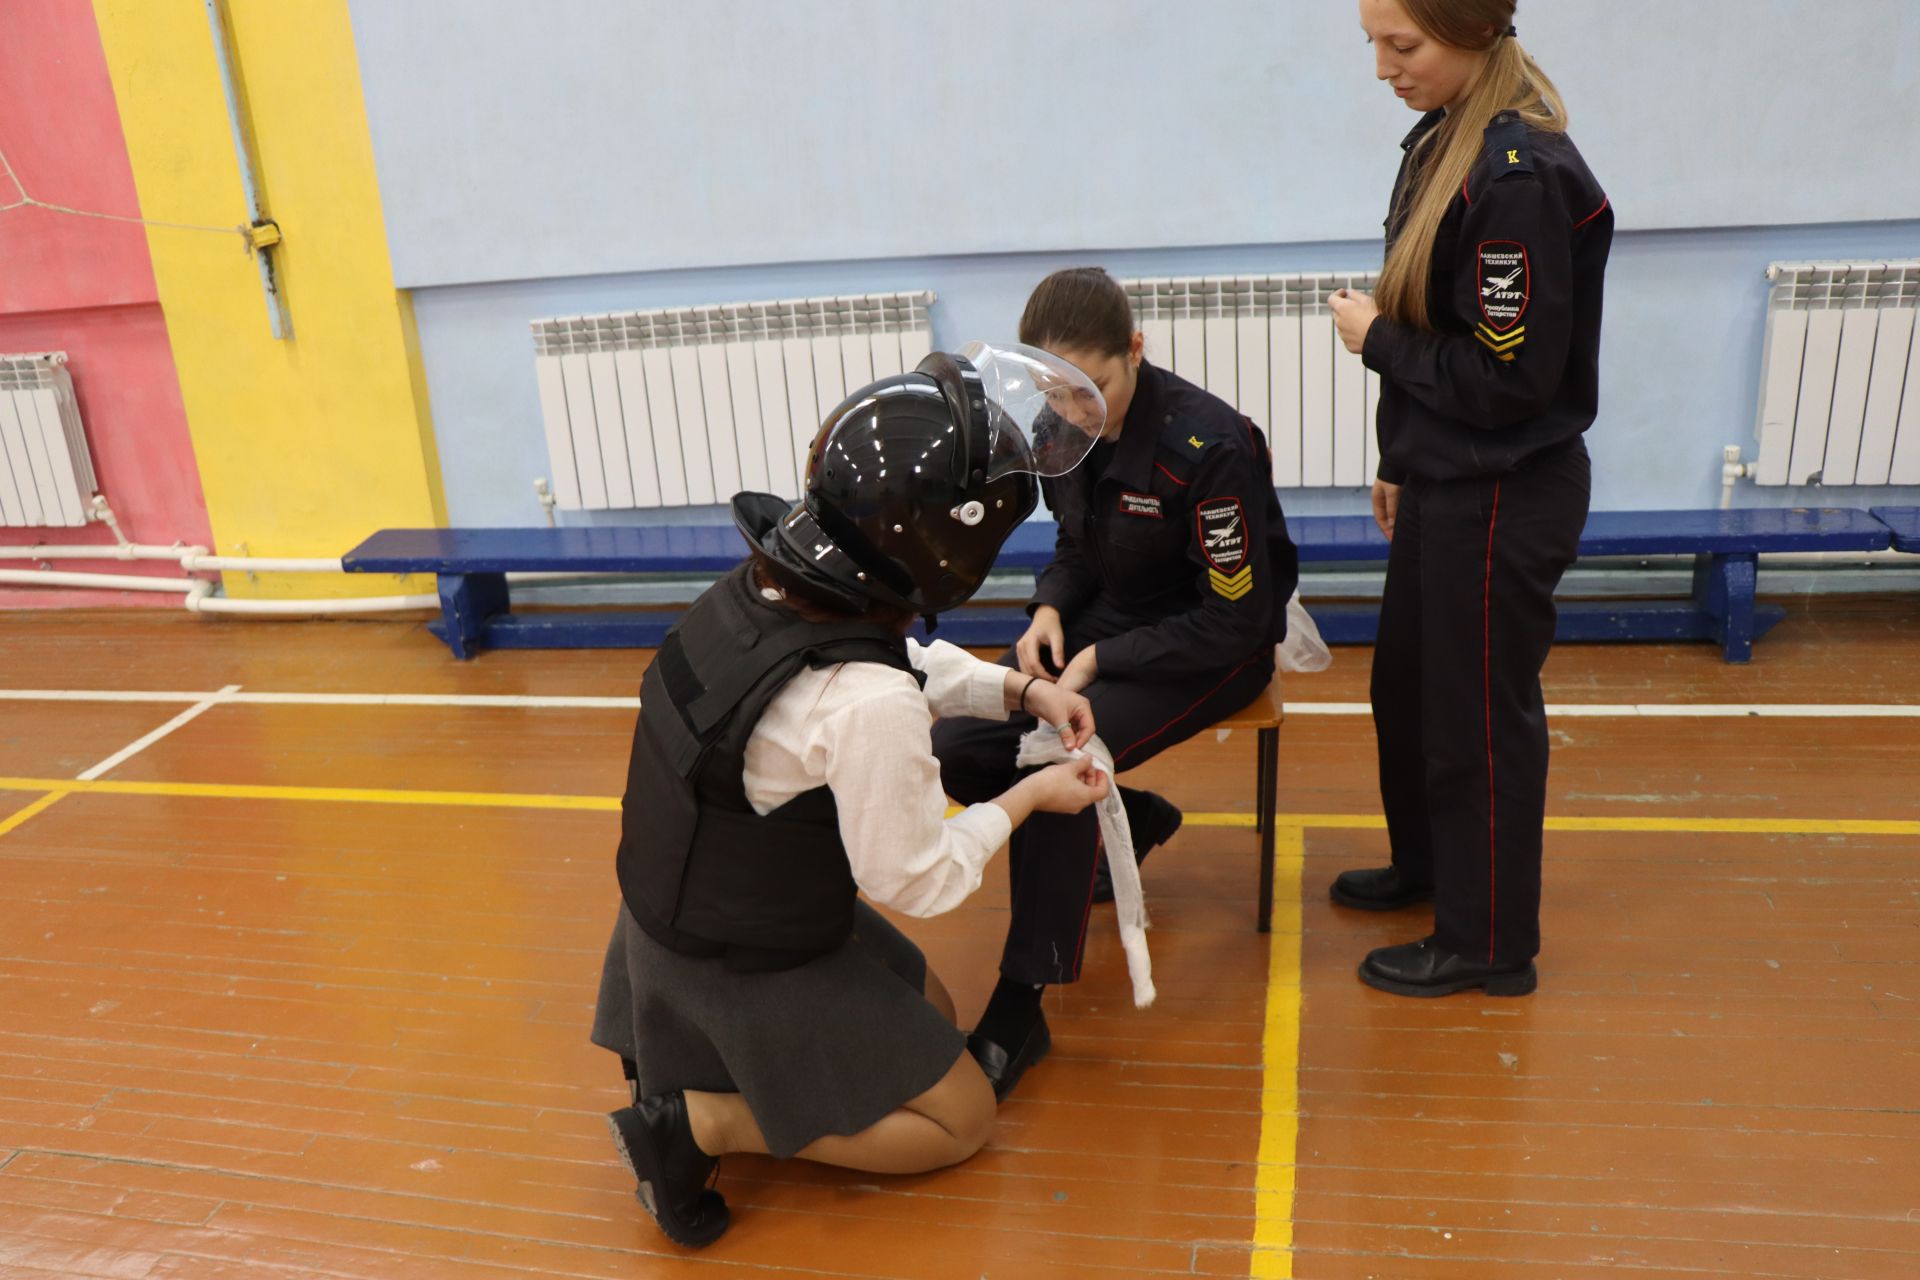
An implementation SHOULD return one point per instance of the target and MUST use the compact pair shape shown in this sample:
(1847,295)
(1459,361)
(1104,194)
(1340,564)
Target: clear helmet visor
(1043,414)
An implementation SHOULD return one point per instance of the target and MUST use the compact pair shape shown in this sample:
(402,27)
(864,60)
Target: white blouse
(865,731)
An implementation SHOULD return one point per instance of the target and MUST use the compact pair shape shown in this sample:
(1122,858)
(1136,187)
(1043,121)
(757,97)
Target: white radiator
(46,473)
(687,406)
(1267,346)
(1840,375)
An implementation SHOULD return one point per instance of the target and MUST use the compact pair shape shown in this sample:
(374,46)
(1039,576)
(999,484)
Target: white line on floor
(1613,710)
(135,747)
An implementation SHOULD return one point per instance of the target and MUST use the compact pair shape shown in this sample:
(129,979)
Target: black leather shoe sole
(1408,898)
(1510,982)
(1003,1071)
(708,1219)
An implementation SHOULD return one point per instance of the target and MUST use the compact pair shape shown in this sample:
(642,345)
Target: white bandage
(1043,746)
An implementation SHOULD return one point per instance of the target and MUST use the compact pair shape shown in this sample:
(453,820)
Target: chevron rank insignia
(1231,588)
(1502,345)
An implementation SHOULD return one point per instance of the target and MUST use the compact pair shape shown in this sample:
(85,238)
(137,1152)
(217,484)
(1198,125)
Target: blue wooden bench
(1904,524)
(472,565)
(1726,546)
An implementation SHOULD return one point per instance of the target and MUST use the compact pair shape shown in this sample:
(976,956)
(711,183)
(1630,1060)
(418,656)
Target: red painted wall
(85,286)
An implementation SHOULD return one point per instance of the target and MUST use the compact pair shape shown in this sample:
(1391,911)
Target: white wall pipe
(131,551)
(200,598)
(104,514)
(259,564)
(102,581)
(190,559)
(1732,469)
(196,559)
(284,608)
(1811,559)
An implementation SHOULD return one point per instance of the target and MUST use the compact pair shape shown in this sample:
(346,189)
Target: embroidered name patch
(1140,504)
(1222,527)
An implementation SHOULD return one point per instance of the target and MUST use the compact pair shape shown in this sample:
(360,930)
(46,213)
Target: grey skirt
(829,1047)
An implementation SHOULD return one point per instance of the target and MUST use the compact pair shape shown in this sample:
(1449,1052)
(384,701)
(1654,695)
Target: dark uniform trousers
(1052,855)
(1465,627)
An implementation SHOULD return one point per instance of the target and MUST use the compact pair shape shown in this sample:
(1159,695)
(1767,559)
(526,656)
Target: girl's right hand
(1045,629)
(1067,787)
(1386,506)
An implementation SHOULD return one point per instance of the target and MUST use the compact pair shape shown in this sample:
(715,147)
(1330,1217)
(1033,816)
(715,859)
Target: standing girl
(1486,336)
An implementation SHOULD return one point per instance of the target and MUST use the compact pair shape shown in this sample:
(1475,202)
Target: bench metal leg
(467,601)
(1723,588)
(1266,786)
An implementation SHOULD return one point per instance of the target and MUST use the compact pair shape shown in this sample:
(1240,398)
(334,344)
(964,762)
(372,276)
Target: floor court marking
(1274,1171)
(611,804)
(138,745)
(1600,710)
(41,805)
(1271,1256)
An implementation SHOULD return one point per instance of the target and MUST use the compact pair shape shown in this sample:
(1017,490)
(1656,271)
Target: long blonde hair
(1510,81)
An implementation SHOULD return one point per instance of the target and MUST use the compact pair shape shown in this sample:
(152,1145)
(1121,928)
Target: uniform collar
(1428,122)
(1140,434)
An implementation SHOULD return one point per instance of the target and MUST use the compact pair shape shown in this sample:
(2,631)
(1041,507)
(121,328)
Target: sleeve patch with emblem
(1222,527)
(1506,286)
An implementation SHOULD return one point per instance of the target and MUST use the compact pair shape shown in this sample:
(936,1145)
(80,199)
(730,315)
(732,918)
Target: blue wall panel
(595,137)
(1680,363)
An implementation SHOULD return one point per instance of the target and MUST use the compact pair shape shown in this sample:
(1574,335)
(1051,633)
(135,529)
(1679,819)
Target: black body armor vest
(702,873)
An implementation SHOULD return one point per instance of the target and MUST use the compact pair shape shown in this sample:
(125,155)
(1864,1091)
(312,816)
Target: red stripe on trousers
(1486,695)
(1182,716)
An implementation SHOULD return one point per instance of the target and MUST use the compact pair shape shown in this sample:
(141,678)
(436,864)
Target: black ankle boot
(655,1139)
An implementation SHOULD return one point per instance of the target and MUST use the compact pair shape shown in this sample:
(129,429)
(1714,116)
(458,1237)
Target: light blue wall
(594,155)
(1680,362)
(521,140)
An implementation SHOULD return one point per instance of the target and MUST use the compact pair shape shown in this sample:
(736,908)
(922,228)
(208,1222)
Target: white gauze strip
(1043,746)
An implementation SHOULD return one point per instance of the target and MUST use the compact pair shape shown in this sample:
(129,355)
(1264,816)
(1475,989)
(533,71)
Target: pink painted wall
(85,286)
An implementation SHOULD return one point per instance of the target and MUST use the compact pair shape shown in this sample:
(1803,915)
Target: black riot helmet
(914,481)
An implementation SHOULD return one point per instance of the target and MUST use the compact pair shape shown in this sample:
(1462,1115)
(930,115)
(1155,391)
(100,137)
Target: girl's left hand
(1064,709)
(1081,671)
(1353,314)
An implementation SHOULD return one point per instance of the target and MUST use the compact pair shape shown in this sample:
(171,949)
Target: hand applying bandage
(1065,709)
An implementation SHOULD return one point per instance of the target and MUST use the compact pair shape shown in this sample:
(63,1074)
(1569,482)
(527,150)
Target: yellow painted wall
(308,445)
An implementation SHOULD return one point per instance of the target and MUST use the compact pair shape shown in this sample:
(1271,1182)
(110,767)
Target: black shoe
(1155,824)
(1002,1069)
(1423,969)
(655,1139)
(1378,889)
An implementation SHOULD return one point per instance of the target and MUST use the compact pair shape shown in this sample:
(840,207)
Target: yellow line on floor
(347,795)
(41,805)
(1744,826)
(1621,823)
(1273,1181)
(611,804)
(1274,1178)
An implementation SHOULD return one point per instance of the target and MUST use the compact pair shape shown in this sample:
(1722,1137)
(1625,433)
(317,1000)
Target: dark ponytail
(1079,309)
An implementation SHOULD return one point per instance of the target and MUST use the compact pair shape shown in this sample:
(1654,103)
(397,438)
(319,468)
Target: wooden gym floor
(300,988)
